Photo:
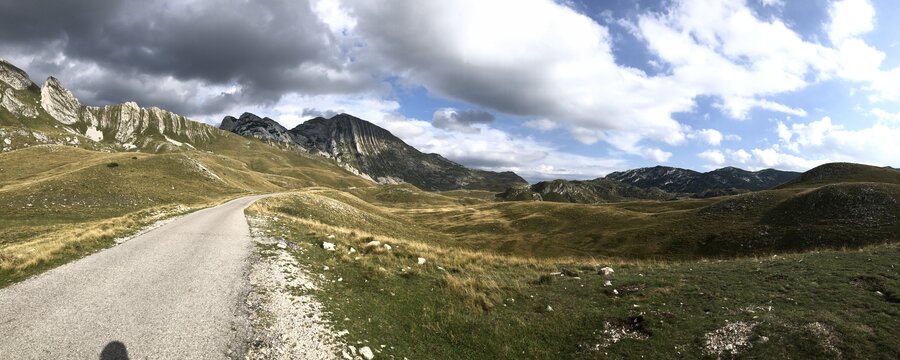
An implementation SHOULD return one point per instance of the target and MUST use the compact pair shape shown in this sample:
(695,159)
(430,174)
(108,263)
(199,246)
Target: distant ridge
(651,183)
(724,181)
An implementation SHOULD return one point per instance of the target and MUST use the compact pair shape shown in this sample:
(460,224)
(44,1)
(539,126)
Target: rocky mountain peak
(372,152)
(266,129)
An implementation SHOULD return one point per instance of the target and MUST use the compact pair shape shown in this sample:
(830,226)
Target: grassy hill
(472,299)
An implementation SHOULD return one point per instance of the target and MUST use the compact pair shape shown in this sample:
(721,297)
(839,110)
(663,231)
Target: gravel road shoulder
(286,320)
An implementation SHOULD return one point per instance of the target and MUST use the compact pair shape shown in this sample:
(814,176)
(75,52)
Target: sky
(549,89)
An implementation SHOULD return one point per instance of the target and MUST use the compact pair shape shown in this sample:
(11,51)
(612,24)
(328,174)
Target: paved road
(171,293)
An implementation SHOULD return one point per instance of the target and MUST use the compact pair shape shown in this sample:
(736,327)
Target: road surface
(172,293)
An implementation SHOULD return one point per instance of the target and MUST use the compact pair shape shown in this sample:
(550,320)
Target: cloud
(850,18)
(570,79)
(856,60)
(460,120)
(713,157)
(266,48)
(721,48)
(542,124)
(802,146)
(313,112)
(883,115)
(709,136)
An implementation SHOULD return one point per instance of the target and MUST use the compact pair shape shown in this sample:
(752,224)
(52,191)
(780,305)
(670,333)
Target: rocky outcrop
(13,76)
(128,123)
(264,129)
(59,102)
(125,124)
(372,152)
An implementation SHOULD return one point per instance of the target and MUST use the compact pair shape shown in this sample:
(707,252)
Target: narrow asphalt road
(172,293)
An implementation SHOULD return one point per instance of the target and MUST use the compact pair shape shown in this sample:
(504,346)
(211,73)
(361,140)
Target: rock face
(373,152)
(13,76)
(124,124)
(59,102)
(261,128)
(10,102)
(725,181)
(584,192)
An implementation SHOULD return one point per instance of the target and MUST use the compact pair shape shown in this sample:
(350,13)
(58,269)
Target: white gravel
(285,325)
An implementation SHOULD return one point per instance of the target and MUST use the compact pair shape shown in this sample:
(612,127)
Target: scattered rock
(420,261)
(331,236)
(606,271)
(328,246)
(352,250)
(549,308)
(732,338)
(387,247)
(634,327)
(366,353)
(607,283)
(282,245)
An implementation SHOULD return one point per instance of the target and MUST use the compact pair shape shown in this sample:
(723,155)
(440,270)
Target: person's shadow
(115,350)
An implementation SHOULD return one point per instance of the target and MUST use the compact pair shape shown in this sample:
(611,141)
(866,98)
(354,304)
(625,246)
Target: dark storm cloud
(461,120)
(266,48)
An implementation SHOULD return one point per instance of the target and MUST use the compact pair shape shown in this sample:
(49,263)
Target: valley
(411,255)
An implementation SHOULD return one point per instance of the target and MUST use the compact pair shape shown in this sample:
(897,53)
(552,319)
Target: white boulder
(366,353)
(328,246)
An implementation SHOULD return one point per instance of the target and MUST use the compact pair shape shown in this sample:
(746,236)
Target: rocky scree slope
(372,152)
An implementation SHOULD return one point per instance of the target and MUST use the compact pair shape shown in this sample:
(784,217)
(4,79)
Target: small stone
(372,244)
(606,271)
(615,291)
(607,283)
(366,353)
(420,261)
(549,308)
(352,250)
(328,246)
(331,236)
(282,245)
(342,333)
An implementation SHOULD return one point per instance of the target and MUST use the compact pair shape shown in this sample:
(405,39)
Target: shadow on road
(114,351)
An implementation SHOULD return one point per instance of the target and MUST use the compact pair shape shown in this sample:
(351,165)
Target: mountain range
(56,116)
